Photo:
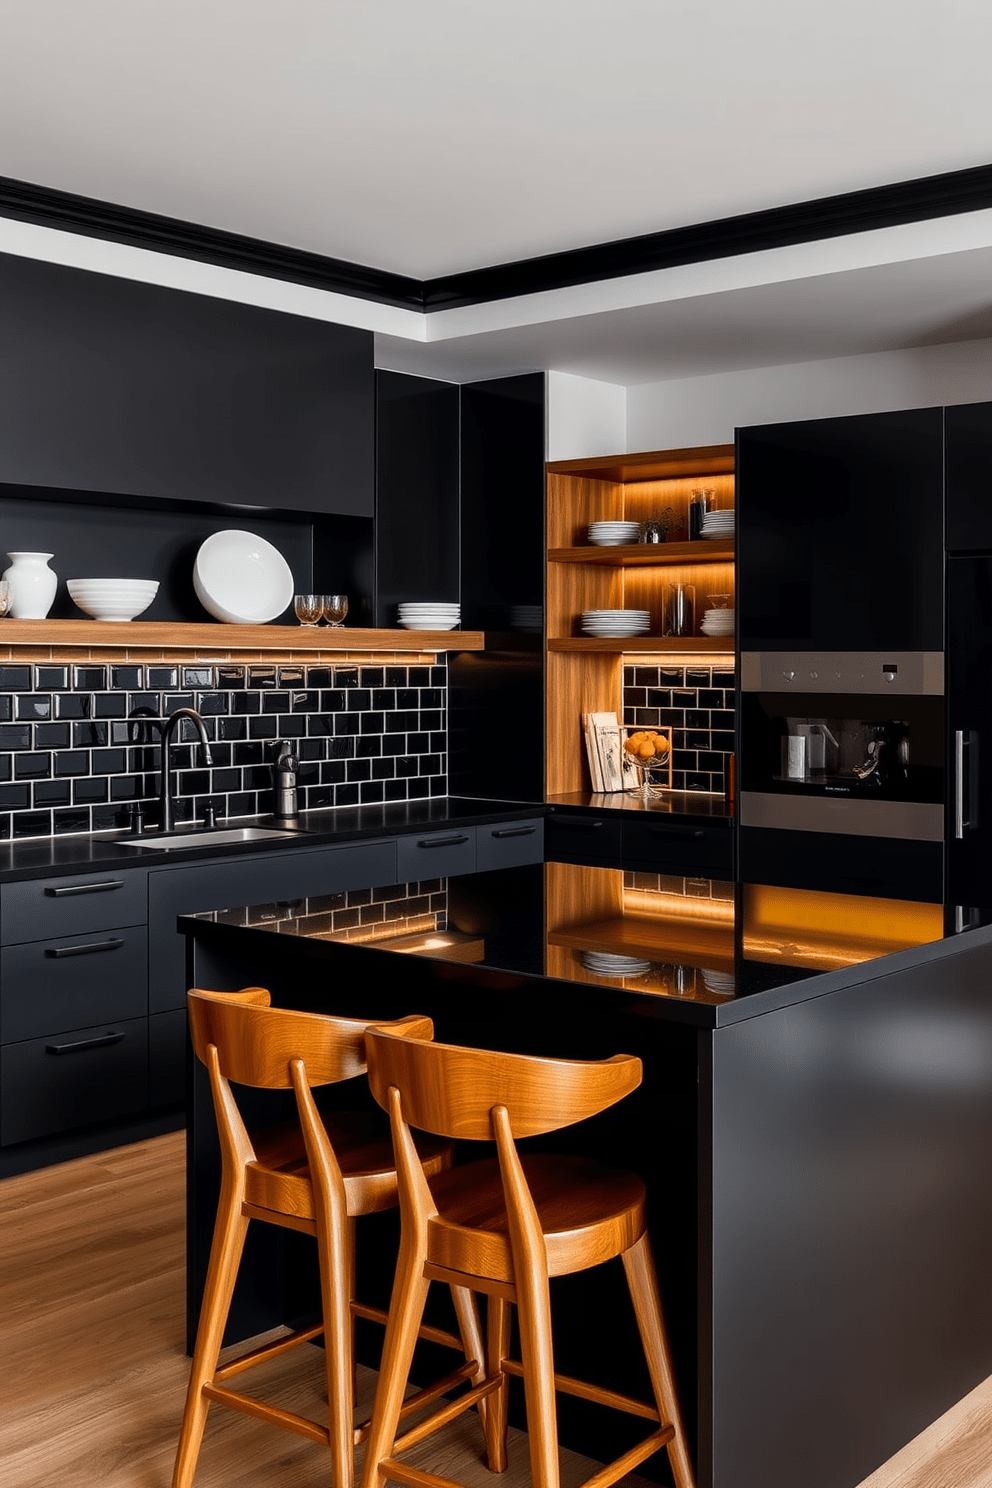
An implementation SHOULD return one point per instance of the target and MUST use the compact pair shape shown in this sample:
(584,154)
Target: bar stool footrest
(597,1393)
(266,1351)
(429,1334)
(440,1418)
(423,1397)
(271,1413)
(613,1471)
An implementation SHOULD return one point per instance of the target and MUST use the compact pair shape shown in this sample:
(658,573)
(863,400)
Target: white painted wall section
(706,410)
(585,417)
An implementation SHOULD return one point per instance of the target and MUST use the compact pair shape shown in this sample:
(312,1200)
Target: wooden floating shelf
(662,645)
(648,555)
(655,939)
(173,635)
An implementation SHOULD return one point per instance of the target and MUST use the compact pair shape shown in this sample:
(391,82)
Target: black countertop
(39,857)
(713,955)
(690,806)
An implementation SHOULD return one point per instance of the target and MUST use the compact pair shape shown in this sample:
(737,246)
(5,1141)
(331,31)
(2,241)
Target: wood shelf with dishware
(132,635)
(599,575)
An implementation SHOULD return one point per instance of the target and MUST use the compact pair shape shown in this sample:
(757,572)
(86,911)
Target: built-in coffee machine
(842,770)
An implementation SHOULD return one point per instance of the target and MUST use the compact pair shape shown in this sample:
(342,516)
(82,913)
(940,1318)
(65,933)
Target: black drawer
(506,844)
(72,905)
(52,984)
(578,837)
(662,845)
(435,854)
(70,1079)
(167,1058)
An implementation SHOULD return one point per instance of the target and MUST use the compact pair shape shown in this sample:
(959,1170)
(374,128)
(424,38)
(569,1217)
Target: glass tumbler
(307,607)
(334,607)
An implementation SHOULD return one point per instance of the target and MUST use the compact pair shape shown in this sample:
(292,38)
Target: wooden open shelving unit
(585,673)
(164,635)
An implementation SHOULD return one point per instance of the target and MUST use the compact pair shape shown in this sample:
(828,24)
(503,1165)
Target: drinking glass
(334,607)
(679,610)
(5,598)
(308,608)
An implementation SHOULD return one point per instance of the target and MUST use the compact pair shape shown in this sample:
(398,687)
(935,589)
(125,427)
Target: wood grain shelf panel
(647,555)
(660,645)
(133,634)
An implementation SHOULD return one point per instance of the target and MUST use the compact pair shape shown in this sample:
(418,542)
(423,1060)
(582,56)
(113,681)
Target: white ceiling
(432,136)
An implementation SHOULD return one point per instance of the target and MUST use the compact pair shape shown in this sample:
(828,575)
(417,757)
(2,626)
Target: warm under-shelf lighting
(811,928)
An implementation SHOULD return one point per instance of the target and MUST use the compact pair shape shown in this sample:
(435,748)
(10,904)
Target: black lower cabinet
(582,837)
(665,846)
(167,1058)
(74,1078)
(839,864)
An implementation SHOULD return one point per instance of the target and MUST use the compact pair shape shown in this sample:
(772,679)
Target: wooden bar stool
(504,1227)
(316,1175)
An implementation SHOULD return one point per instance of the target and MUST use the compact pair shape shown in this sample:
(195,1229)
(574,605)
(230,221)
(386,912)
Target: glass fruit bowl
(649,752)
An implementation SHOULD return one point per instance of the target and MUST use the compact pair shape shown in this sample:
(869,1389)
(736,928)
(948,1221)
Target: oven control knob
(814,675)
(789,676)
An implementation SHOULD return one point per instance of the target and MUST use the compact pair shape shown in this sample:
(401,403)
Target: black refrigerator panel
(968,477)
(840,533)
(969,744)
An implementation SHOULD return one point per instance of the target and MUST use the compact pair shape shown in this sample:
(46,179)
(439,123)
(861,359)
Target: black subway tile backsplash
(697,703)
(79,745)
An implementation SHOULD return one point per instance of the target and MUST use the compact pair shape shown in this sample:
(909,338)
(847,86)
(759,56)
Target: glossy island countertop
(37,857)
(702,951)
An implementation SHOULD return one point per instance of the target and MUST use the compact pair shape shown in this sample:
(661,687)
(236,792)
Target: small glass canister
(679,610)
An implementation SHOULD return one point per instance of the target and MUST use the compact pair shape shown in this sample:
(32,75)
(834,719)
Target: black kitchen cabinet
(662,844)
(968,477)
(969,726)
(112,386)
(840,533)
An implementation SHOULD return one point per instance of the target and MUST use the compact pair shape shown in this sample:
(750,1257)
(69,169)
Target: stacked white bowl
(608,964)
(718,523)
(430,615)
(614,534)
(609,623)
(112,599)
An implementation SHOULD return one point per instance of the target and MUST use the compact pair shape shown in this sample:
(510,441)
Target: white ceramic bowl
(112,599)
(242,579)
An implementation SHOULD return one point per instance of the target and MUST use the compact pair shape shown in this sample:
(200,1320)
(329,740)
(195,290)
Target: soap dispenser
(287,807)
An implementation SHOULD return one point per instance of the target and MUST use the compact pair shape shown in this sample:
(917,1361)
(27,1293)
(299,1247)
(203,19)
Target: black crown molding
(946,195)
(98,219)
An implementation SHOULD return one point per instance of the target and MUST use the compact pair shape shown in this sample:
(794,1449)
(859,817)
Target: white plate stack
(614,534)
(719,523)
(527,618)
(606,964)
(717,622)
(430,616)
(610,623)
(721,983)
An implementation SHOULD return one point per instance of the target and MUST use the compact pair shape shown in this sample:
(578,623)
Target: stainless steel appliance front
(876,673)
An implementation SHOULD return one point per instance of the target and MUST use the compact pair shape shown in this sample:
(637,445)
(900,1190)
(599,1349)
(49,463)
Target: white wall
(585,418)
(706,410)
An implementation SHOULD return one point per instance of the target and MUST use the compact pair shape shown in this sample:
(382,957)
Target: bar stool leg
(406,1309)
(537,1354)
(335,1287)
(470,1332)
(642,1279)
(497,1349)
(230,1229)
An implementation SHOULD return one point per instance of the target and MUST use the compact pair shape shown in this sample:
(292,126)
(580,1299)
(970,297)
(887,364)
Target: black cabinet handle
(441,841)
(516,832)
(80,1044)
(91,947)
(582,822)
(695,832)
(98,888)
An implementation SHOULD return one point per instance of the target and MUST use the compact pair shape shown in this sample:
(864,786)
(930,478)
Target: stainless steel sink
(215,837)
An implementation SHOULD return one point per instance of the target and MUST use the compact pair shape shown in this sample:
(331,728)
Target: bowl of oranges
(649,751)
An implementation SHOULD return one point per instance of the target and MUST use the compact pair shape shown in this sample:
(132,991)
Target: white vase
(32,585)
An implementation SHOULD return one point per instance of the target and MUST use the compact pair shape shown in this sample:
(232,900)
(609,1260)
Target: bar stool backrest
(452,1091)
(256,1043)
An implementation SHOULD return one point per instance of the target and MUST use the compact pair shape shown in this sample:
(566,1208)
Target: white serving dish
(442,624)
(112,599)
(242,579)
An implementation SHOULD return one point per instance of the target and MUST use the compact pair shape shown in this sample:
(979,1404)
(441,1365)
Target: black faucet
(172,723)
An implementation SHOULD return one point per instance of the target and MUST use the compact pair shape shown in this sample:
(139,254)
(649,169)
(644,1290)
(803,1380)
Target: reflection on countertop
(691,940)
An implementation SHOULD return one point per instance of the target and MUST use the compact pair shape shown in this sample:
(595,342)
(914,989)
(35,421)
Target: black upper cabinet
(968,477)
(112,386)
(840,533)
(416,492)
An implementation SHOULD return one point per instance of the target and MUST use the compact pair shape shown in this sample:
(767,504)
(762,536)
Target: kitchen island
(814,1127)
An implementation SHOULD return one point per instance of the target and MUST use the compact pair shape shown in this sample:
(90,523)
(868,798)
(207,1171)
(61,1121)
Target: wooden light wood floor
(93,1374)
